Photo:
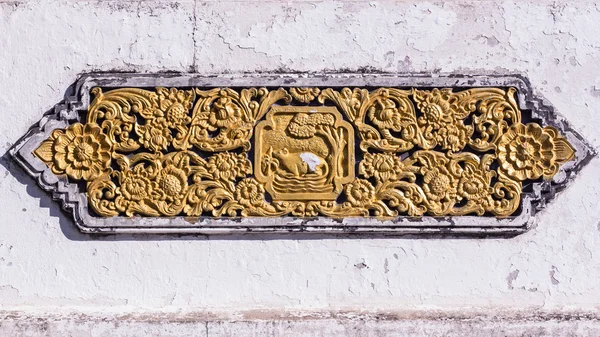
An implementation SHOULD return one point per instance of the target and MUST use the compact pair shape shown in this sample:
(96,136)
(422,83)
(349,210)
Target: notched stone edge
(75,202)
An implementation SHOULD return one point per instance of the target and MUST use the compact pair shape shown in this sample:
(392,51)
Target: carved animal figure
(301,163)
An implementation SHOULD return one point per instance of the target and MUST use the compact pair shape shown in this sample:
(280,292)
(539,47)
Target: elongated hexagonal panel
(359,153)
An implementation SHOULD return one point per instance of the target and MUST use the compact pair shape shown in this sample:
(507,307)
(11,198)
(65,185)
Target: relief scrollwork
(187,152)
(179,183)
(223,119)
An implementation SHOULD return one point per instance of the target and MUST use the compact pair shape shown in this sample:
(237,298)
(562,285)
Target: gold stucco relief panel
(171,152)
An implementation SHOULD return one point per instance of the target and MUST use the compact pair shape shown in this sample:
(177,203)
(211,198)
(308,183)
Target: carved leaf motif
(44,152)
(173,152)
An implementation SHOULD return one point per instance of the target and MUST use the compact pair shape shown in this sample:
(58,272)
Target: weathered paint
(46,263)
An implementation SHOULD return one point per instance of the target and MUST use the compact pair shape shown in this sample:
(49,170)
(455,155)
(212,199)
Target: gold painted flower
(529,152)
(250,192)
(177,115)
(360,193)
(473,185)
(385,114)
(82,152)
(435,107)
(438,184)
(136,184)
(173,182)
(224,113)
(304,95)
(228,166)
(382,166)
(155,135)
(454,137)
(176,104)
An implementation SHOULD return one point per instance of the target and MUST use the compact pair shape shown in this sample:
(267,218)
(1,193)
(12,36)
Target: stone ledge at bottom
(299,323)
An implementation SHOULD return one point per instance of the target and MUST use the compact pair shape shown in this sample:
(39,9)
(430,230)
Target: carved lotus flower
(454,137)
(250,192)
(155,135)
(173,182)
(435,107)
(360,193)
(228,166)
(224,113)
(382,166)
(304,95)
(473,185)
(81,152)
(136,184)
(438,184)
(530,151)
(176,105)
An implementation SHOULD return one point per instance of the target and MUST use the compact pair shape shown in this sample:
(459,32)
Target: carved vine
(173,152)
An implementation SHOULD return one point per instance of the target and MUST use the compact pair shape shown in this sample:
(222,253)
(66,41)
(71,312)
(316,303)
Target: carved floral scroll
(291,151)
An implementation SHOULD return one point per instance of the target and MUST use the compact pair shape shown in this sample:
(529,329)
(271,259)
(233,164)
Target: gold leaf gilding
(173,152)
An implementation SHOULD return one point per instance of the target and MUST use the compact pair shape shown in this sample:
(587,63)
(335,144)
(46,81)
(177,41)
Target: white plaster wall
(45,263)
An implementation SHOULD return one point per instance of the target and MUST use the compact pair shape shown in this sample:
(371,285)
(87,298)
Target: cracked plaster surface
(45,262)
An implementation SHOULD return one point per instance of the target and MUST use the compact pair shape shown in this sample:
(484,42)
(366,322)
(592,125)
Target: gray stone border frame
(75,201)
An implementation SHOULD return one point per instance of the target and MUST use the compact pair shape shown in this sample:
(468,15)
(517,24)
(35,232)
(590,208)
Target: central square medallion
(304,153)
